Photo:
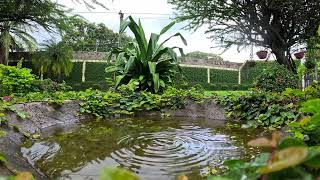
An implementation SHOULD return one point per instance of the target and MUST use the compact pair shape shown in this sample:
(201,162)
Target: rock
(42,116)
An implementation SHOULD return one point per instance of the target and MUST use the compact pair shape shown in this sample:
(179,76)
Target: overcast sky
(154,15)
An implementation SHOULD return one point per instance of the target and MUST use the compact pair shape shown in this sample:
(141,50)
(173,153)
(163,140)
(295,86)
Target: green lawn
(223,93)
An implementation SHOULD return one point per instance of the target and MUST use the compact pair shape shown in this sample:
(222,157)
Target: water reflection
(154,149)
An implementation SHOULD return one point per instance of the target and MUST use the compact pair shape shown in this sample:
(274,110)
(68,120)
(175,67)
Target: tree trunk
(283,57)
(2,55)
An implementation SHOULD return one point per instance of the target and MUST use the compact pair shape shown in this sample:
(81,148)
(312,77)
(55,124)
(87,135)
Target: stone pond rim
(42,116)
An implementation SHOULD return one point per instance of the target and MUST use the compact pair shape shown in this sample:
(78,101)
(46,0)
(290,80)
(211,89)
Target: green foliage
(47,85)
(313,91)
(14,34)
(2,159)
(249,23)
(223,76)
(148,62)
(128,102)
(2,133)
(103,86)
(55,60)
(308,128)
(117,174)
(276,79)
(262,108)
(288,159)
(220,79)
(76,74)
(93,68)
(15,80)
(85,36)
(203,55)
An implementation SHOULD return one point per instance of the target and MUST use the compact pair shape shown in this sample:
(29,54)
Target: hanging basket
(299,55)
(262,54)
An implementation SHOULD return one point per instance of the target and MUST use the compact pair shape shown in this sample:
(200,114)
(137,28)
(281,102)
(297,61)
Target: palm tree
(14,36)
(54,59)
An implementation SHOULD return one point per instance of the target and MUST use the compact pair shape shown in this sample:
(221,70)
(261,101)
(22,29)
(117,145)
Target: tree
(14,36)
(35,13)
(275,24)
(54,59)
(203,55)
(19,17)
(84,36)
(90,4)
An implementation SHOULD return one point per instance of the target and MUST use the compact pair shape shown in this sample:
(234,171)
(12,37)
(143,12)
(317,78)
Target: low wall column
(208,74)
(83,71)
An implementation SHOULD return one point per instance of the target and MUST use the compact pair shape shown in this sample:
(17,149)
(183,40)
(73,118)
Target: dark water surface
(152,148)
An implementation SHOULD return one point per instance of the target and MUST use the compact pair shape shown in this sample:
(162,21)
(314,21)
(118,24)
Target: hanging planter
(299,55)
(262,54)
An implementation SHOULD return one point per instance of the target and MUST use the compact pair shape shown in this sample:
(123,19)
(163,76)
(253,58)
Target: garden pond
(153,148)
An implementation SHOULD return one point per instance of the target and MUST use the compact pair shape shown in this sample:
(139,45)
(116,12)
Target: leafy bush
(313,91)
(91,84)
(49,86)
(127,101)
(276,79)
(289,158)
(262,108)
(203,55)
(15,80)
(308,128)
(149,62)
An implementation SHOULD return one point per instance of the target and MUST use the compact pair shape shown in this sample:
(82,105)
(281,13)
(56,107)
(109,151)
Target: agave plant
(149,62)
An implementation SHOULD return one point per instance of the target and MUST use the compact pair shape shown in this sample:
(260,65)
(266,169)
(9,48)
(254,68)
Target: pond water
(152,148)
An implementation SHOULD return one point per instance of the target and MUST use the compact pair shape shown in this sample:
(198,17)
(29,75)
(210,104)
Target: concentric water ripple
(174,151)
(153,149)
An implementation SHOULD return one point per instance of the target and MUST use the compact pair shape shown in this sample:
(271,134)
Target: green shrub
(15,80)
(287,158)
(262,108)
(49,86)
(309,125)
(103,85)
(276,79)
(313,91)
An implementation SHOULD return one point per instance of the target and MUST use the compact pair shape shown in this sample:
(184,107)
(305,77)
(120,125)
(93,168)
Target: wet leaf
(285,158)
(24,176)
(2,133)
(182,177)
(117,174)
(36,136)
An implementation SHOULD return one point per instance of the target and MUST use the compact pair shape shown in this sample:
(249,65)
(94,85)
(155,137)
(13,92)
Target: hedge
(252,70)
(224,76)
(220,79)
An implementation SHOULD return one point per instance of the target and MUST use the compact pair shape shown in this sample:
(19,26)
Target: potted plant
(262,54)
(299,55)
